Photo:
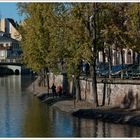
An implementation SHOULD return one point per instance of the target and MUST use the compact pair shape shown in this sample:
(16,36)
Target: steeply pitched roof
(12,22)
(7,39)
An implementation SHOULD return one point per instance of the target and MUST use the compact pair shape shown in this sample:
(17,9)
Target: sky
(9,10)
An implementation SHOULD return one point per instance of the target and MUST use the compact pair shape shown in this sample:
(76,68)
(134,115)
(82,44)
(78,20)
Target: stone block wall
(114,93)
(56,79)
(59,80)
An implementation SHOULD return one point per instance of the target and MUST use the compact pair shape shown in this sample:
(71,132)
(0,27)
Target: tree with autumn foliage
(73,32)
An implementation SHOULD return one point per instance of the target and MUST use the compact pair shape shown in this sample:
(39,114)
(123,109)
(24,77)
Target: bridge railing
(13,60)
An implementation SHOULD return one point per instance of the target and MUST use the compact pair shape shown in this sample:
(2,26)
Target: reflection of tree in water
(131,131)
(37,122)
(103,129)
(77,127)
(62,124)
(84,127)
(96,128)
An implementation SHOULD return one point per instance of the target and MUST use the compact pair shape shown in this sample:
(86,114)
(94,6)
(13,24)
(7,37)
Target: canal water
(23,115)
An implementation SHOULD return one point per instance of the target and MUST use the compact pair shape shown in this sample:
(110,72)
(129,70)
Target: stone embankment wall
(59,80)
(115,91)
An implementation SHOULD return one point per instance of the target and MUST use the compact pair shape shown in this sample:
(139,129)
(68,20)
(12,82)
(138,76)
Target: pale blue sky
(9,10)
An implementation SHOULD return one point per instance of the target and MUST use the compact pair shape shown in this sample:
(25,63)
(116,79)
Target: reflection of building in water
(10,87)
(12,83)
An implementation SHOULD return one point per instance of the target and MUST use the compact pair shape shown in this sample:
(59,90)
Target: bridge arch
(17,72)
(15,69)
(5,70)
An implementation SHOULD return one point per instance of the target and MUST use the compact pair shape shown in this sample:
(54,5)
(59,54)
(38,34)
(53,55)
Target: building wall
(3,54)
(9,50)
(116,56)
(2,25)
(7,27)
(14,33)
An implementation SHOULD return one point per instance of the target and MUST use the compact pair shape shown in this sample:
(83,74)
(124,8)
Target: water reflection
(23,115)
(37,122)
(66,126)
(10,106)
(62,124)
(96,128)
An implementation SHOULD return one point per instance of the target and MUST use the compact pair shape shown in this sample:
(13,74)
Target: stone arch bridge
(12,68)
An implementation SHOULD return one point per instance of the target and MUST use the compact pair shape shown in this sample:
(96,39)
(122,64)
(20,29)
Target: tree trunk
(65,84)
(110,64)
(73,87)
(104,93)
(78,90)
(103,56)
(48,83)
(93,30)
(134,55)
(44,77)
(138,58)
(86,90)
(138,61)
(94,85)
(122,59)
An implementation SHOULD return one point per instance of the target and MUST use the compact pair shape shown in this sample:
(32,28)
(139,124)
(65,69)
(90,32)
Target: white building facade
(127,56)
(9,48)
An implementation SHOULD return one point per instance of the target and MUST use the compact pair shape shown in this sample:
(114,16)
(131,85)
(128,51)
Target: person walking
(59,91)
(53,90)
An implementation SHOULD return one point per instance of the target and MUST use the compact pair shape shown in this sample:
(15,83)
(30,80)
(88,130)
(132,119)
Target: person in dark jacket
(53,90)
